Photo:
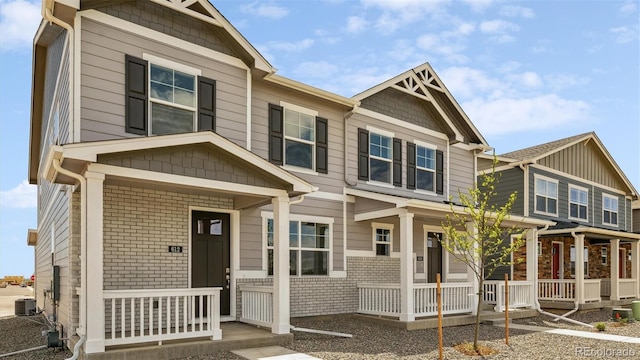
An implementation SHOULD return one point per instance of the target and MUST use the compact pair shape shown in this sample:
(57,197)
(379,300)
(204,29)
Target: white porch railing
(137,316)
(489,291)
(556,289)
(520,294)
(605,287)
(257,305)
(592,290)
(627,288)
(384,299)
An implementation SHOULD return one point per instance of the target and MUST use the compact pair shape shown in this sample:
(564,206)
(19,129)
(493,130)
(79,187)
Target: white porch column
(471,272)
(280,265)
(95,277)
(635,265)
(406,267)
(579,246)
(615,271)
(532,260)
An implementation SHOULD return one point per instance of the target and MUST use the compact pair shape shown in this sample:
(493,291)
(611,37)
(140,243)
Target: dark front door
(210,254)
(434,256)
(555,261)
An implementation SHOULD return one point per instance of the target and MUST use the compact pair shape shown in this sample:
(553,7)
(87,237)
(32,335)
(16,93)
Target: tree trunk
(476,331)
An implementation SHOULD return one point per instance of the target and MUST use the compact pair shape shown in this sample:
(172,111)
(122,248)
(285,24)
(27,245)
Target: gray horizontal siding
(508,182)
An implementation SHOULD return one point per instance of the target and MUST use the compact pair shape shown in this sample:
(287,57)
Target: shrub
(601,326)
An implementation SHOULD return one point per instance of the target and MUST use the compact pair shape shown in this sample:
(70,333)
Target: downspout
(83,244)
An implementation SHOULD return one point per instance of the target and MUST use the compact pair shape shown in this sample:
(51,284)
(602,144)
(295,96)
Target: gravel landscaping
(373,341)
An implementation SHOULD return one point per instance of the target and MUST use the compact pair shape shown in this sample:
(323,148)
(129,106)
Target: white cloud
(399,13)
(20,197)
(466,82)
(293,46)
(498,27)
(479,5)
(624,34)
(447,46)
(629,7)
(265,10)
(19,20)
(316,69)
(517,11)
(557,82)
(356,24)
(530,79)
(510,115)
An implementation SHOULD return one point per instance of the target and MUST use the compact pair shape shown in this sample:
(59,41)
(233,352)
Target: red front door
(555,261)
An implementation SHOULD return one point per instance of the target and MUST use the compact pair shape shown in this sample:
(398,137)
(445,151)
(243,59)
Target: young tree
(477,237)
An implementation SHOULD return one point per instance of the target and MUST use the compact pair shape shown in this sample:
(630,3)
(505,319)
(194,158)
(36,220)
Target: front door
(555,261)
(210,254)
(434,255)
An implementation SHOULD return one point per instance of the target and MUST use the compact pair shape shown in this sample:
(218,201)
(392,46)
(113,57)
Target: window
(297,138)
(609,210)
(546,196)
(380,152)
(603,255)
(578,202)
(382,239)
(572,254)
(309,246)
(379,157)
(424,167)
(539,248)
(164,97)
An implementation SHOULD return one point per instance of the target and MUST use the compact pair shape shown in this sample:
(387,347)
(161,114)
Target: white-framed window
(382,239)
(539,248)
(603,255)
(578,202)
(380,157)
(572,255)
(425,167)
(299,136)
(172,96)
(609,209)
(310,240)
(546,196)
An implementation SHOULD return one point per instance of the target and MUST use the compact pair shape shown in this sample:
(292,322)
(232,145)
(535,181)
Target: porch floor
(449,320)
(234,336)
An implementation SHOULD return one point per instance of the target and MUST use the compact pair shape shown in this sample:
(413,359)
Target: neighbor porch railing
(137,316)
(626,288)
(520,294)
(384,299)
(605,287)
(565,289)
(257,305)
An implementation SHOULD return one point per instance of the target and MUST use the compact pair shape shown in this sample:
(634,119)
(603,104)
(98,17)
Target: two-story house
(591,255)
(182,182)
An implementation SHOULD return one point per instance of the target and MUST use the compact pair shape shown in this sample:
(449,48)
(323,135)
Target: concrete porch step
(272,353)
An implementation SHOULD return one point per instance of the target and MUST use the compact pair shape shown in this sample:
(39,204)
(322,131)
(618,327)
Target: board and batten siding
(264,94)
(103,82)
(508,182)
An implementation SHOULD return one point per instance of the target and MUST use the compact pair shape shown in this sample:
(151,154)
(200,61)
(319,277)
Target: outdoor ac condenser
(25,307)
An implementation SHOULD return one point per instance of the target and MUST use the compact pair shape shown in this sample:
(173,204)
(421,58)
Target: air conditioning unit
(25,307)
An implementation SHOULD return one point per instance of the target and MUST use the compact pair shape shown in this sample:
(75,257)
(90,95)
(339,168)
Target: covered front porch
(414,297)
(588,268)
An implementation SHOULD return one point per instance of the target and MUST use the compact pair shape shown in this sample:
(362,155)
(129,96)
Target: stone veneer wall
(324,295)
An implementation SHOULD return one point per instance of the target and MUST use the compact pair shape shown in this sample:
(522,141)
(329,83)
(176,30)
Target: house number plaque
(175,249)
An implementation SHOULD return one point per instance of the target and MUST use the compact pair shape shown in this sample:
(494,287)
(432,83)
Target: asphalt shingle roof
(537,150)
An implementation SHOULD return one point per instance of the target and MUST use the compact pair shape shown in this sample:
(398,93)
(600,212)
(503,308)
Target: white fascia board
(397,201)
(162,37)
(70,3)
(400,123)
(186,181)
(589,230)
(378,214)
(89,152)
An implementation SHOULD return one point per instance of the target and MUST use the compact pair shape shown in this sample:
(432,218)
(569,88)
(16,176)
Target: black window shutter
(322,165)
(363,154)
(276,139)
(397,162)
(136,118)
(439,172)
(411,166)
(206,104)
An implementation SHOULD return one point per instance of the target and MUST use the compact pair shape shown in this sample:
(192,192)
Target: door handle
(228,281)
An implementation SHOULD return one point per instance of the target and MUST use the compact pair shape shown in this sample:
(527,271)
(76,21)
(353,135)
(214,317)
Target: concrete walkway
(577,333)
(272,353)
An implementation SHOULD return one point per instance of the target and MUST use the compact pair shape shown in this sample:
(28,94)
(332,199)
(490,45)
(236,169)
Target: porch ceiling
(594,234)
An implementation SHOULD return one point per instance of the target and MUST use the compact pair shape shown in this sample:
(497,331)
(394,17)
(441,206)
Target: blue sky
(525,72)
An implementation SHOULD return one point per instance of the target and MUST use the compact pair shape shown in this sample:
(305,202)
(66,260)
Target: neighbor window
(572,254)
(309,246)
(425,168)
(546,196)
(173,100)
(539,248)
(578,202)
(603,255)
(609,210)
(382,239)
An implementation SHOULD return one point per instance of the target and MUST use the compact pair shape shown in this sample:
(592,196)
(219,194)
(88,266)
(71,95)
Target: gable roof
(423,83)
(534,153)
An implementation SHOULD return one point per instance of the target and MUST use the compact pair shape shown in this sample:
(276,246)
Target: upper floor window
(546,196)
(609,210)
(297,138)
(578,202)
(379,157)
(309,246)
(164,97)
(424,167)
(382,238)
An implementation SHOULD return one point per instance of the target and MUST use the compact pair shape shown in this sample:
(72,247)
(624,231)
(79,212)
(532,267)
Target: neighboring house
(635,215)
(181,182)
(577,184)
